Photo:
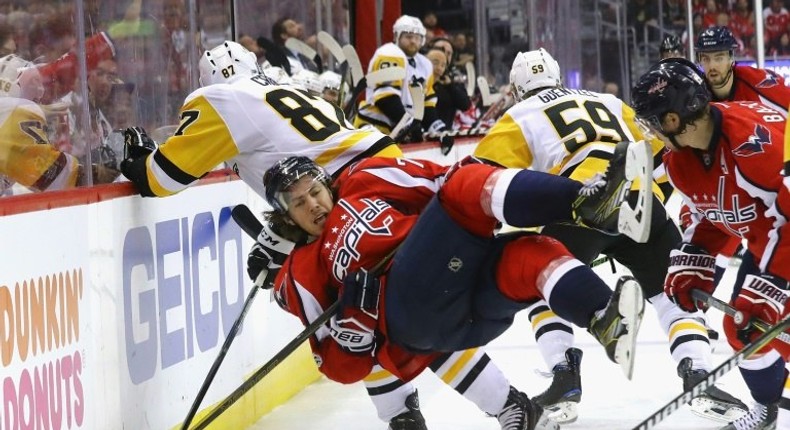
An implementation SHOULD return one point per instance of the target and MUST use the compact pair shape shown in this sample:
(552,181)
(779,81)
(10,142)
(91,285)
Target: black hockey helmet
(716,39)
(287,172)
(671,85)
(670,43)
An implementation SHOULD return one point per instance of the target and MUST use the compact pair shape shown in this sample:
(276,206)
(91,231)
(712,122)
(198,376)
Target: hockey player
(26,155)
(572,133)
(725,160)
(729,81)
(388,106)
(451,285)
(242,118)
(671,47)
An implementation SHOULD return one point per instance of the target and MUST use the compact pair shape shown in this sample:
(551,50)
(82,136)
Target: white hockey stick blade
(418,102)
(297,45)
(401,125)
(485,93)
(353,63)
(377,77)
(634,222)
(470,79)
(631,305)
(327,41)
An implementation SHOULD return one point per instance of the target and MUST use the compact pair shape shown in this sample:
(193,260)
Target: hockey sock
(765,377)
(527,198)
(577,294)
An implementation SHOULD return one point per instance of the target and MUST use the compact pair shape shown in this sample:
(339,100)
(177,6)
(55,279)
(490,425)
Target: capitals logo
(760,138)
(768,82)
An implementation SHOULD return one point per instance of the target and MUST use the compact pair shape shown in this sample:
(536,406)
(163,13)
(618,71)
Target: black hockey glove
(269,254)
(136,145)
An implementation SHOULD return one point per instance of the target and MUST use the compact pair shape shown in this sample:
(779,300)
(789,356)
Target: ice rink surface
(609,401)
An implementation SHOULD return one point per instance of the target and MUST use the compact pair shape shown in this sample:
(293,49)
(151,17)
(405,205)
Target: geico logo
(179,275)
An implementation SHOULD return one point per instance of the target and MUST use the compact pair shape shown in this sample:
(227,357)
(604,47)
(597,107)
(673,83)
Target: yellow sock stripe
(542,316)
(687,325)
(459,364)
(378,376)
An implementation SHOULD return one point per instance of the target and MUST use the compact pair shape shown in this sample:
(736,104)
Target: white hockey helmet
(308,80)
(532,70)
(227,63)
(408,24)
(329,80)
(20,78)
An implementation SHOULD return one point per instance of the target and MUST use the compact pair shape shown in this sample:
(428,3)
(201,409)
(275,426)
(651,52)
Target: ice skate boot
(565,391)
(602,204)
(616,326)
(760,417)
(411,419)
(520,413)
(714,403)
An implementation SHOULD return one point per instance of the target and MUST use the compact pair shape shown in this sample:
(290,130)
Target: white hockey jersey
(251,125)
(419,72)
(565,132)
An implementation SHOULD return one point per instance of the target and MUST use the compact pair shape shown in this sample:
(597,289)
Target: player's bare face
(717,66)
(309,203)
(410,43)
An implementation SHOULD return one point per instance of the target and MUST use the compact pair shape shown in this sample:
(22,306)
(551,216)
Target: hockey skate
(565,391)
(602,203)
(616,326)
(760,417)
(411,419)
(521,413)
(715,403)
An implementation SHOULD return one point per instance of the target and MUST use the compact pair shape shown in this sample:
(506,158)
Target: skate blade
(563,412)
(722,412)
(546,423)
(634,222)
(631,307)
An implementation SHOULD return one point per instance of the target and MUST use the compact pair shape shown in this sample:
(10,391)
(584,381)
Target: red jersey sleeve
(406,184)
(302,287)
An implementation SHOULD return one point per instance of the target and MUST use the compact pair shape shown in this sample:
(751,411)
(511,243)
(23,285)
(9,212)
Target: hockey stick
(736,315)
(398,132)
(485,92)
(238,216)
(252,225)
(327,41)
(370,80)
(297,45)
(354,64)
(714,375)
(470,79)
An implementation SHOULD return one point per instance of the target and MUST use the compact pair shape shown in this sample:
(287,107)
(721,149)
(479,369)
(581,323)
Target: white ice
(609,401)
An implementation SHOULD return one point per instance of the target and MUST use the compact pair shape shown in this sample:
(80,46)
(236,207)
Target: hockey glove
(354,326)
(269,254)
(438,131)
(137,143)
(690,267)
(761,297)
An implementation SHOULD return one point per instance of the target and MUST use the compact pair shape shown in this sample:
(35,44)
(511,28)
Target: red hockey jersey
(760,85)
(377,203)
(735,188)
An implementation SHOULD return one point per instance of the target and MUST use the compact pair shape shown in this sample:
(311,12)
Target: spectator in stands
(642,13)
(463,50)
(782,48)
(710,14)
(7,42)
(450,95)
(252,46)
(432,28)
(742,23)
(283,29)
(174,36)
(611,88)
(775,18)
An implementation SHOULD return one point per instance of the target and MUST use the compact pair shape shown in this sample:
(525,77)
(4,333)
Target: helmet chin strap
(726,78)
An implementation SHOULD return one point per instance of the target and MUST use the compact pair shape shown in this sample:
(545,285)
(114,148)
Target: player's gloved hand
(761,297)
(438,131)
(354,325)
(690,267)
(268,254)
(685,217)
(414,131)
(137,143)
